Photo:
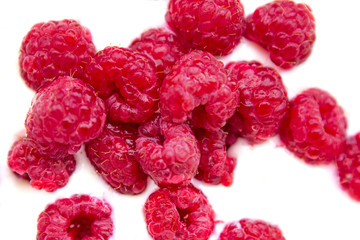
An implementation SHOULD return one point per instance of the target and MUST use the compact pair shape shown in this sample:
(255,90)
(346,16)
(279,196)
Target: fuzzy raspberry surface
(53,49)
(251,229)
(79,217)
(263,100)
(113,156)
(315,127)
(179,213)
(198,89)
(286,29)
(66,112)
(208,25)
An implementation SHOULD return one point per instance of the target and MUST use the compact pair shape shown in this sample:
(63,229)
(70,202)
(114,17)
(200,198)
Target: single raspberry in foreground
(179,213)
(53,49)
(80,217)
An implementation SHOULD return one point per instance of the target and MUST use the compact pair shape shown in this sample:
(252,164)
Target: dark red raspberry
(263,100)
(233,129)
(179,213)
(315,127)
(127,80)
(348,165)
(80,217)
(198,89)
(285,29)
(113,156)
(162,46)
(44,172)
(250,229)
(67,113)
(170,158)
(54,49)
(208,25)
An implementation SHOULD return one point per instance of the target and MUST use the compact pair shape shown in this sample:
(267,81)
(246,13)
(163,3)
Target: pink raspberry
(65,113)
(208,25)
(250,229)
(113,156)
(285,29)
(54,49)
(263,100)
(198,89)
(179,213)
(315,127)
(80,217)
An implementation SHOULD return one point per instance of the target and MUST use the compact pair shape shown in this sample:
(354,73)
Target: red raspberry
(80,217)
(285,29)
(54,49)
(198,89)
(263,100)
(44,172)
(66,112)
(250,229)
(162,46)
(179,213)
(113,156)
(171,158)
(315,127)
(208,25)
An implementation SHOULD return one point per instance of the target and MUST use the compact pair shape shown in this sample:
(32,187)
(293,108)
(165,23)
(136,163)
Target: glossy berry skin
(113,156)
(179,213)
(315,127)
(44,172)
(263,100)
(198,89)
(79,217)
(208,25)
(53,49)
(285,29)
(65,113)
(251,229)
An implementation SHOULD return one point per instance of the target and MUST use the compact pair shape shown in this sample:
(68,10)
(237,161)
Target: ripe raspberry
(162,46)
(285,29)
(315,127)
(127,81)
(208,25)
(67,113)
(113,156)
(54,49)
(263,100)
(44,172)
(171,158)
(198,89)
(179,213)
(247,229)
(80,217)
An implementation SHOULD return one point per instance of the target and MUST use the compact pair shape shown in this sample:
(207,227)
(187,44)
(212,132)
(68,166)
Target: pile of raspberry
(166,108)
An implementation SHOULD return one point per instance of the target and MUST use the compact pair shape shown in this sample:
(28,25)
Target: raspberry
(171,158)
(233,129)
(54,49)
(263,100)
(162,46)
(315,127)
(179,213)
(208,25)
(44,172)
(198,89)
(67,113)
(285,29)
(113,156)
(127,81)
(80,217)
(247,229)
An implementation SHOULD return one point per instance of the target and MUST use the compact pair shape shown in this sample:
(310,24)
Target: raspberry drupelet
(53,49)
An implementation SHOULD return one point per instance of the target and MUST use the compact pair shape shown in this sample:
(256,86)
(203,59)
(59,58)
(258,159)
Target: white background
(270,184)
